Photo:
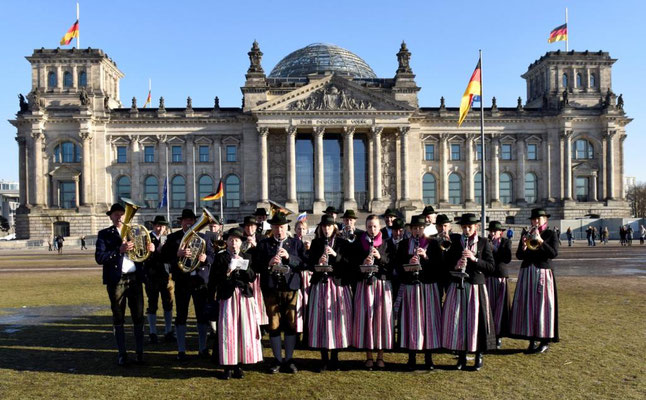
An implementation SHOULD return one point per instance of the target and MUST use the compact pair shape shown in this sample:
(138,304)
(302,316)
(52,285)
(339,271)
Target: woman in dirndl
(300,232)
(238,330)
(417,303)
(330,302)
(497,287)
(250,242)
(372,325)
(534,314)
(467,322)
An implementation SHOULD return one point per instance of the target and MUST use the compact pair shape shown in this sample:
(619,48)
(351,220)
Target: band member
(429,214)
(389,217)
(330,302)
(349,231)
(187,285)
(534,314)
(261,217)
(238,333)
(419,298)
(333,212)
(497,287)
(158,283)
(398,233)
(467,323)
(372,326)
(123,279)
(249,246)
(300,230)
(214,234)
(279,260)
(440,245)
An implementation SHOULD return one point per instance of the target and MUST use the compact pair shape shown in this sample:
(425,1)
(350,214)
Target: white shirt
(430,230)
(127,266)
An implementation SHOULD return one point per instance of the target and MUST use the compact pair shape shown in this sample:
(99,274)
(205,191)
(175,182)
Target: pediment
(585,167)
(231,140)
(203,140)
(333,93)
(533,138)
(64,172)
(120,141)
(147,140)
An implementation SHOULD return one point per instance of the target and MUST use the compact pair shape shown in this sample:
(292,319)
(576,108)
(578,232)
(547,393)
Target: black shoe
(322,367)
(238,373)
(479,362)
(170,337)
(153,338)
(274,369)
(462,362)
(181,356)
(122,360)
(289,367)
(542,348)
(227,374)
(333,365)
(498,343)
(531,349)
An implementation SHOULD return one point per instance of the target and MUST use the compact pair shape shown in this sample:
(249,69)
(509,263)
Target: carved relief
(330,98)
(277,167)
(388,166)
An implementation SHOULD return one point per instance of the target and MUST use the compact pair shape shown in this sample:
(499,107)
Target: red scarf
(376,241)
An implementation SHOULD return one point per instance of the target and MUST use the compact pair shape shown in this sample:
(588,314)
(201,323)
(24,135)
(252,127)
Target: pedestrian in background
(568,233)
(642,234)
(83,247)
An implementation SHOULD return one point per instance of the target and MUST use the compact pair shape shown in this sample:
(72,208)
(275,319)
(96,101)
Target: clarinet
(461,273)
(279,275)
(370,275)
(415,248)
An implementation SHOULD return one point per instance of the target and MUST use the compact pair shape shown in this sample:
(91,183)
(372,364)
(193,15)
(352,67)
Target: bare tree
(636,196)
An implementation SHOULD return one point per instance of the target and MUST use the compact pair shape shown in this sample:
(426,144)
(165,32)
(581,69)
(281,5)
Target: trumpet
(138,234)
(348,234)
(531,239)
(193,242)
(445,241)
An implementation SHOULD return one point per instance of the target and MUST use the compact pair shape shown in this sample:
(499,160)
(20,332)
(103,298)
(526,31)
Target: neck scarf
(376,241)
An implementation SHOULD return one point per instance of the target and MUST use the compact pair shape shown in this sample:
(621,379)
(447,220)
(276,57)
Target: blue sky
(199,48)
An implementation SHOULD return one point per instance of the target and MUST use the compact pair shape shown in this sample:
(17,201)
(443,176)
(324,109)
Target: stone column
(264,162)
(377,131)
(87,170)
(134,169)
(495,176)
(349,202)
(444,169)
(370,154)
(75,82)
(76,194)
(470,195)
(405,188)
(22,172)
(567,158)
(59,78)
(56,200)
(610,164)
(37,153)
(594,183)
(292,202)
(602,169)
(319,177)
(520,178)
(622,187)
(548,172)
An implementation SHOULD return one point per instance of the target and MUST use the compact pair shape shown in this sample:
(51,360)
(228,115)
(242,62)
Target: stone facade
(80,149)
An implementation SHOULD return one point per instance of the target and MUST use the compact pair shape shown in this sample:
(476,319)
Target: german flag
(217,195)
(72,33)
(148,100)
(558,34)
(275,208)
(471,93)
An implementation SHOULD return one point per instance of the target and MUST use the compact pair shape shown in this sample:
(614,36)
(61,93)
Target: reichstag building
(320,129)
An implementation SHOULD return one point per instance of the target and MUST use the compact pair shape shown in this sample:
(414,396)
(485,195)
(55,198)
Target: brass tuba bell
(138,234)
(193,242)
(532,239)
(445,241)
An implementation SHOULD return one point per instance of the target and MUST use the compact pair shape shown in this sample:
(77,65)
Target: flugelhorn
(138,234)
(193,242)
(531,239)
(445,241)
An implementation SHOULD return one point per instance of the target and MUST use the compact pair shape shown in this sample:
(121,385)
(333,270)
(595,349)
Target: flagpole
(194,183)
(483,199)
(221,197)
(78,32)
(167,194)
(567,35)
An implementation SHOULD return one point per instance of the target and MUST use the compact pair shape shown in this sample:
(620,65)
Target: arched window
(593,80)
(67,152)
(82,78)
(531,189)
(178,192)
(205,188)
(505,188)
(232,191)
(582,150)
(51,80)
(67,79)
(455,189)
(429,189)
(122,189)
(564,81)
(579,81)
(151,192)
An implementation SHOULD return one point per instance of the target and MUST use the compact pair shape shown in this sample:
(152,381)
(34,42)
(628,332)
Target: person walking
(83,247)
(642,234)
(568,233)
(629,235)
(59,243)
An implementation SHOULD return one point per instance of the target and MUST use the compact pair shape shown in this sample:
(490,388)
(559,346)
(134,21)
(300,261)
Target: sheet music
(238,263)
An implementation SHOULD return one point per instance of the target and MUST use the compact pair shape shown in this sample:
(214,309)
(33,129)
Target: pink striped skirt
(412,317)
(238,331)
(303,297)
(460,317)
(433,312)
(497,291)
(372,325)
(533,314)
(330,315)
(260,301)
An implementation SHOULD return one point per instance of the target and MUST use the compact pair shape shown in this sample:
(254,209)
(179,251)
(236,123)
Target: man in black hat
(261,218)
(252,235)
(439,246)
(430,216)
(497,286)
(389,217)
(214,234)
(158,283)
(349,231)
(187,285)
(123,279)
(280,287)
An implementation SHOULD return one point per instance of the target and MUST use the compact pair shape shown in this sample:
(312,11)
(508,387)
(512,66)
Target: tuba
(138,234)
(532,239)
(193,242)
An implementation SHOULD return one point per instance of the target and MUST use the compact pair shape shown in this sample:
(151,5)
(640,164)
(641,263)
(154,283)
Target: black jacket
(502,257)
(223,286)
(266,250)
(154,265)
(169,255)
(402,258)
(107,254)
(541,257)
(342,272)
(476,270)
(357,255)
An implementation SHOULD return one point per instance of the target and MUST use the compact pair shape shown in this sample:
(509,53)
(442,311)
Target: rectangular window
(121,154)
(582,184)
(232,155)
(455,152)
(68,194)
(149,154)
(176,152)
(505,151)
(204,153)
(429,153)
(532,152)
(478,152)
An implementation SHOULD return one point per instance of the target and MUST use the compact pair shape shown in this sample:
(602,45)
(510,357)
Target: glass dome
(320,58)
